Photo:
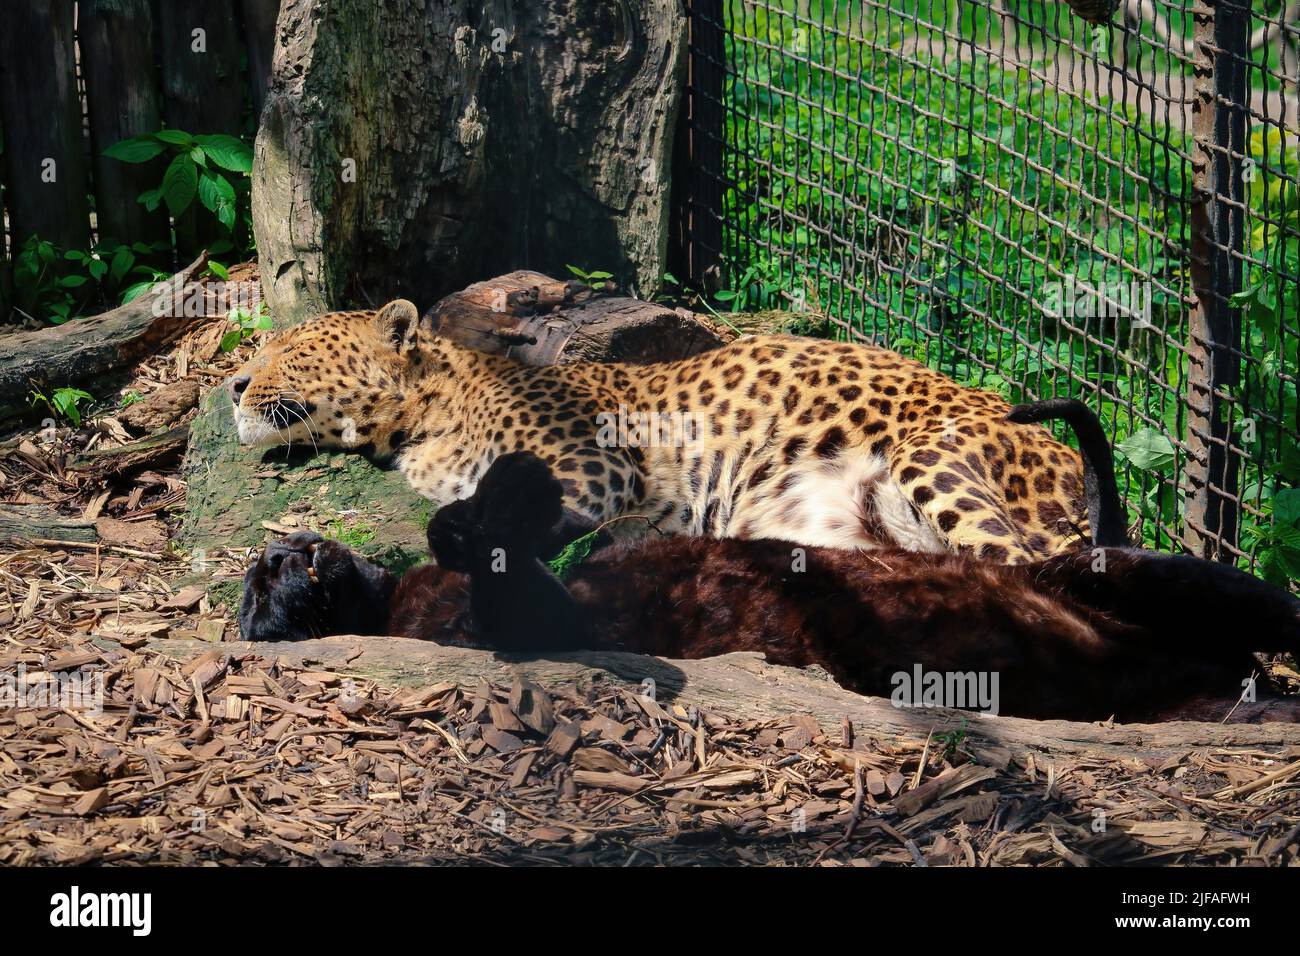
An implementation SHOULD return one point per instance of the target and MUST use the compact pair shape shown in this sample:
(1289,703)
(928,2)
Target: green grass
(933,205)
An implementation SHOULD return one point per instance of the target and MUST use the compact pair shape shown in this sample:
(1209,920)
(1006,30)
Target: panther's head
(335,381)
(306,586)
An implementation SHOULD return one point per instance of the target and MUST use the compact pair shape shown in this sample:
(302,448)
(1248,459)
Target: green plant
(64,403)
(572,556)
(201,167)
(130,398)
(597,277)
(354,533)
(247,324)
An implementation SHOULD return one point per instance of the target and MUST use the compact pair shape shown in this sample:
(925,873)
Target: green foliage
(132,397)
(56,285)
(63,403)
(571,557)
(354,533)
(212,168)
(597,277)
(246,325)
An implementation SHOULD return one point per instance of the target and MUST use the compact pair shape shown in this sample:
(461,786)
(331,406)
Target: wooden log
(202,91)
(538,137)
(78,350)
(161,408)
(745,687)
(259,38)
(543,321)
(147,452)
(41,115)
(22,524)
(117,62)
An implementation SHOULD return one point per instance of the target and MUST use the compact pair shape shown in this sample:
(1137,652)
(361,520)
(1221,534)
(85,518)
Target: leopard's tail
(1106,517)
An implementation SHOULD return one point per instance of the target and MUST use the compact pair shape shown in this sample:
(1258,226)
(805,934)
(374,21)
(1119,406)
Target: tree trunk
(412,149)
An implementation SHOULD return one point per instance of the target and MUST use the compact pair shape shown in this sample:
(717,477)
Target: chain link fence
(1035,204)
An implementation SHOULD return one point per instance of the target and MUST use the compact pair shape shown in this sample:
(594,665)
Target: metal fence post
(1221,37)
(699,154)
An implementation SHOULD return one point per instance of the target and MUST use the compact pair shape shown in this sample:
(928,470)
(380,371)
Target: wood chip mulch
(238,759)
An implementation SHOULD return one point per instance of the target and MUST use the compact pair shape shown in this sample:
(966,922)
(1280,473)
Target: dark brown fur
(1112,631)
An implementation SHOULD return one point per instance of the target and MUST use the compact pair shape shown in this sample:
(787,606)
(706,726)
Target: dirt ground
(225,757)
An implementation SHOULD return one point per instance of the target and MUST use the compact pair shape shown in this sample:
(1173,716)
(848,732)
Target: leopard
(818,442)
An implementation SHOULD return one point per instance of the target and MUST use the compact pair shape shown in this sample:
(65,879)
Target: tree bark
(78,350)
(411,149)
(21,524)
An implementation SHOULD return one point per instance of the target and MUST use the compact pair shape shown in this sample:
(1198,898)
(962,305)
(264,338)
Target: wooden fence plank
(202,88)
(117,62)
(259,36)
(41,115)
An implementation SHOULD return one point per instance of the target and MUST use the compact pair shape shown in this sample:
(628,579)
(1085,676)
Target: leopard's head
(336,381)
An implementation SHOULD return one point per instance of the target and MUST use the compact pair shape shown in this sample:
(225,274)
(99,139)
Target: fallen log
(744,687)
(543,321)
(154,450)
(23,524)
(161,408)
(71,353)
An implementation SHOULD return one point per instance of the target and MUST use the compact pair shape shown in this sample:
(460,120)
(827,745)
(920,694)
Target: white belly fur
(828,503)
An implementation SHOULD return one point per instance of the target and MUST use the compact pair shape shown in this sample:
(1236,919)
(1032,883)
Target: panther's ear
(399,324)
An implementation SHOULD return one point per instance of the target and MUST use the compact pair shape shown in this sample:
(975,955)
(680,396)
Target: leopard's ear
(399,324)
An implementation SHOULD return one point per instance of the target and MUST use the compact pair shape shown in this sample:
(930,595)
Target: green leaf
(1148,450)
(228,152)
(174,137)
(219,196)
(137,289)
(98,268)
(573,554)
(230,341)
(216,268)
(121,264)
(150,199)
(72,282)
(1286,507)
(179,184)
(137,149)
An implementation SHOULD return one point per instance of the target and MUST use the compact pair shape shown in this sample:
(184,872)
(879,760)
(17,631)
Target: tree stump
(409,149)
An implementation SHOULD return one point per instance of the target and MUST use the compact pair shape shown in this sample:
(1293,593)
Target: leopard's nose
(237,385)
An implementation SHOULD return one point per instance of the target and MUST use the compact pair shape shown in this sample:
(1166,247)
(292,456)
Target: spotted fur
(816,442)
